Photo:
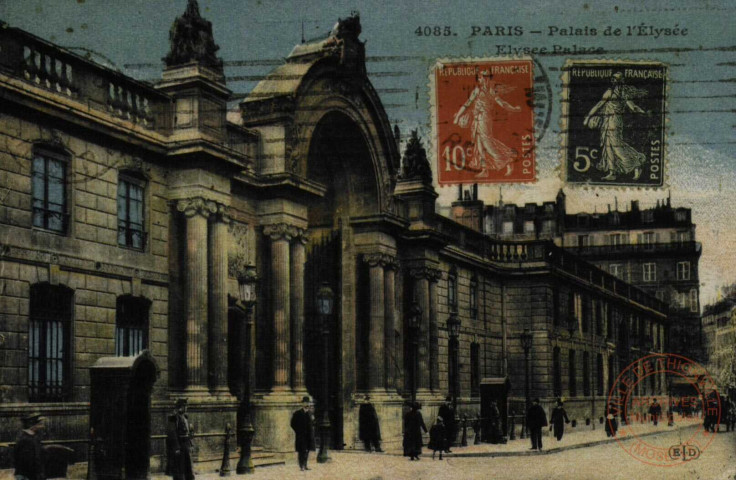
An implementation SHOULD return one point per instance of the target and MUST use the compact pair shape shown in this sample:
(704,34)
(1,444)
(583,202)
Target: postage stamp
(483,120)
(635,400)
(613,123)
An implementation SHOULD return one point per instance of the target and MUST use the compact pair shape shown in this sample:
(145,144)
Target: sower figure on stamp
(536,419)
(301,423)
(448,416)
(655,410)
(28,453)
(488,152)
(179,444)
(369,429)
(617,156)
(558,420)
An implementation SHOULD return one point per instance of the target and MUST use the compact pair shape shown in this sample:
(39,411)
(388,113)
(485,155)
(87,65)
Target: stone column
(298,260)
(280,235)
(376,328)
(390,321)
(421,296)
(218,354)
(196,211)
(434,331)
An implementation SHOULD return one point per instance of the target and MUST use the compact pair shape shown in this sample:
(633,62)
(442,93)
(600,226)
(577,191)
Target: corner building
(131,209)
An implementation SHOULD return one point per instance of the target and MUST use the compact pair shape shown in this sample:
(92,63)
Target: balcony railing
(522,252)
(636,248)
(66,74)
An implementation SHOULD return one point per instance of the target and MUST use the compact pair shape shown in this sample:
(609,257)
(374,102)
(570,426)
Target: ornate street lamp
(325,303)
(247,283)
(453,329)
(414,322)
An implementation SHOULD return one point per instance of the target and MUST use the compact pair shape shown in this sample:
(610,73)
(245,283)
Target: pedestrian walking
(369,429)
(558,420)
(448,415)
(301,423)
(179,444)
(655,411)
(28,453)
(611,423)
(413,427)
(536,419)
(437,436)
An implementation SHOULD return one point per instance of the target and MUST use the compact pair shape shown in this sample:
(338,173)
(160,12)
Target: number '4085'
(433,31)
(454,156)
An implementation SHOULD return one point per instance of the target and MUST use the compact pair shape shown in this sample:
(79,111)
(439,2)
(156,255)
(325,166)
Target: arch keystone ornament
(627,403)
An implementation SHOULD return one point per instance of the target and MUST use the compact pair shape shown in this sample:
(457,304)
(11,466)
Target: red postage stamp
(483,121)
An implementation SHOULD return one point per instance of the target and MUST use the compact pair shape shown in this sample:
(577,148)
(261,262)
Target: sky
(254,36)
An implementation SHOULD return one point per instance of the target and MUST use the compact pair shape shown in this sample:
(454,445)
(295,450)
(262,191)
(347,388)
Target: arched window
(473,296)
(474,369)
(573,386)
(586,374)
(556,372)
(131,325)
(48,189)
(49,342)
(452,289)
(131,231)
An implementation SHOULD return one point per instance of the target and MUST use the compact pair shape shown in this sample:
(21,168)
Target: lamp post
(415,318)
(325,301)
(526,343)
(247,283)
(453,329)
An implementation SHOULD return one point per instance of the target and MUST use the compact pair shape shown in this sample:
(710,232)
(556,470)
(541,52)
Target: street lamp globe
(325,299)
(247,282)
(526,339)
(453,325)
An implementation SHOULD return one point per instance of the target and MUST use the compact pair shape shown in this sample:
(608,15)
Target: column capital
(223,213)
(381,259)
(277,231)
(431,274)
(196,206)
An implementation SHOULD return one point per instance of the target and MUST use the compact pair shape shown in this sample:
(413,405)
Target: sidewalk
(579,437)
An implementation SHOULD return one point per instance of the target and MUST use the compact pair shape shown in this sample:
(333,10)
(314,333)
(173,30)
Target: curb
(551,450)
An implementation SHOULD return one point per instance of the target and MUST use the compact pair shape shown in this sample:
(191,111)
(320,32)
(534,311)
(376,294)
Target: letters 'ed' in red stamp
(483,121)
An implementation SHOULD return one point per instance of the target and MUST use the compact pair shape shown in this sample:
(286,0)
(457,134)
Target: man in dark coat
(301,423)
(29,457)
(536,419)
(655,410)
(558,420)
(369,429)
(413,427)
(448,415)
(179,444)
(611,422)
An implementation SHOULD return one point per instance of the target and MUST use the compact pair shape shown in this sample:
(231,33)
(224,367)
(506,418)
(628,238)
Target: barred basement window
(130,212)
(48,190)
(49,354)
(131,325)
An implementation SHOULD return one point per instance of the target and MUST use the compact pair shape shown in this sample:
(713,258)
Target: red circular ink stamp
(641,416)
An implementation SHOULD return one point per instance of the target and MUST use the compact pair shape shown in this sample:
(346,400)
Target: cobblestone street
(571,459)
